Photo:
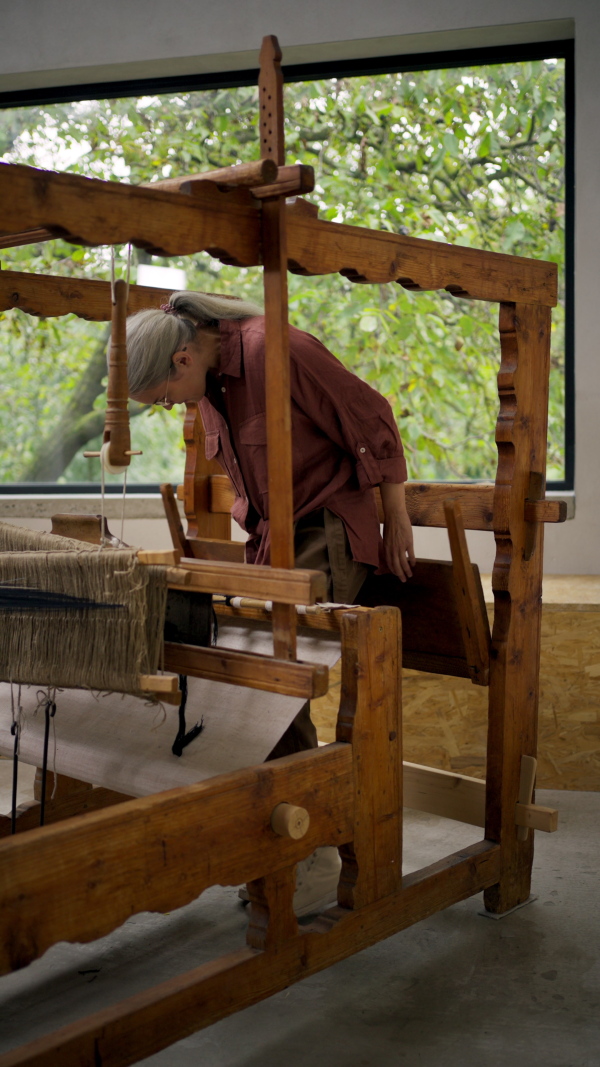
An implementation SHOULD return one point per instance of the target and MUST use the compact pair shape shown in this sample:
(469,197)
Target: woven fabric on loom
(109,634)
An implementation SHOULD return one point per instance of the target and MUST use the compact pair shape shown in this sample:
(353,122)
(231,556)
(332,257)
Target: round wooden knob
(287,820)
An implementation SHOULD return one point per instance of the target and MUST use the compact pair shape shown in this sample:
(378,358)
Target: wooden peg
(526,784)
(165,687)
(287,820)
(159,683)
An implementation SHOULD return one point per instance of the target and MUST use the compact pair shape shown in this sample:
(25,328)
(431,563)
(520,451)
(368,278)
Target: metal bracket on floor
(502,915)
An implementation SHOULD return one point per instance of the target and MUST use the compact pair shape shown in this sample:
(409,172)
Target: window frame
(373,65)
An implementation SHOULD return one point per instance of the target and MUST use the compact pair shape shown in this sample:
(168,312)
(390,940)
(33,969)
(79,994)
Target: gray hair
(154,336)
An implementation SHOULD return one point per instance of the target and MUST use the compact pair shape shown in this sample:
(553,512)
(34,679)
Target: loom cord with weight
(184,738)
(49,713)
(15,777)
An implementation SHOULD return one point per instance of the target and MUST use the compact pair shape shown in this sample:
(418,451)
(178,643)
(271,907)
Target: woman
(210,349)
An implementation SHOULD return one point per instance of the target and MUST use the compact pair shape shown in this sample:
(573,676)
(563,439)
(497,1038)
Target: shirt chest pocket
(253,450)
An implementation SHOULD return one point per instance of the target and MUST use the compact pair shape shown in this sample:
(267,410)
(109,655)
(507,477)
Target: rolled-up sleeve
(347,410)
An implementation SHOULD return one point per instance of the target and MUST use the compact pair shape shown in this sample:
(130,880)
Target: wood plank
(222,495)
(295,678)
(197,480)
(159,557)
(243,579)
(291,180)
(180,541)
(521,435)
(472,613)
(65,807)
(456,796)
(159,683)
(425,503)
(453,796)
(536,817)
(326,621)
(545,510)
(152,1020)
(277,354)
(92,212)
(314,246)
(215,832)
(370,718)
(432,637)
(49,296)
(258,172)
(217,549)
(318,247)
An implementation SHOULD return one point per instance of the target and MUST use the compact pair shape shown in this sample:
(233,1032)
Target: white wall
(58,42)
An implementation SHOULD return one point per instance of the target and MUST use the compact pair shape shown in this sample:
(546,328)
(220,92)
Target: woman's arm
(397,530)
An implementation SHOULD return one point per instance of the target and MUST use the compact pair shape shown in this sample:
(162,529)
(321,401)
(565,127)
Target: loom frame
(352,789)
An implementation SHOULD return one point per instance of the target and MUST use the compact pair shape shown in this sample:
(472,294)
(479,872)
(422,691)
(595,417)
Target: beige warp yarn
(104,648)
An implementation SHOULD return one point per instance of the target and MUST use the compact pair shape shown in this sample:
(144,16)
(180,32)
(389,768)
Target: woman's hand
(397,531)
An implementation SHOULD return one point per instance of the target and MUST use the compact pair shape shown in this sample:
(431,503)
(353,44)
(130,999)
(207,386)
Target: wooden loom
(222,831)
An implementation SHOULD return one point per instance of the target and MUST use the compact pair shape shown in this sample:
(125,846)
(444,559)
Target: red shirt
(344,437)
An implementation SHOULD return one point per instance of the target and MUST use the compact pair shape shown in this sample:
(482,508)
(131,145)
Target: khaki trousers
(321,544)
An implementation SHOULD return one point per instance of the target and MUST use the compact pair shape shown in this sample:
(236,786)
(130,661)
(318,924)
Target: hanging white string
(105,465)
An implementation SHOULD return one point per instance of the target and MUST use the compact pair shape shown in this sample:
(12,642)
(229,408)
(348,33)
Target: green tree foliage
(472,156)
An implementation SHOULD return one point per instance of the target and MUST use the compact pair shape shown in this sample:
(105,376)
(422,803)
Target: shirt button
(362,450)
(223,390)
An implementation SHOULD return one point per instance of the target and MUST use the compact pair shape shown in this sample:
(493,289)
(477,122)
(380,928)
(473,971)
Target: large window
(472,154)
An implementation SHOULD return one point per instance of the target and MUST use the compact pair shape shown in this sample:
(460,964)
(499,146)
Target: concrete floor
(454,990)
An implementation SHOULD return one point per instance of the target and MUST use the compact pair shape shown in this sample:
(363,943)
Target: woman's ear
(182,357)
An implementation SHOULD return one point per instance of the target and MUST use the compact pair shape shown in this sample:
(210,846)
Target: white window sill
(138,505)
(43,505)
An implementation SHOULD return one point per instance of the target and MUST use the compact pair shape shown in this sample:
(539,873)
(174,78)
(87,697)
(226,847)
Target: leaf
(368,324)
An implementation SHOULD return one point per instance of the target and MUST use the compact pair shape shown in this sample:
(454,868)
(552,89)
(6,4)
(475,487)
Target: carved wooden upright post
(277,357)
(521,435)
(202,522)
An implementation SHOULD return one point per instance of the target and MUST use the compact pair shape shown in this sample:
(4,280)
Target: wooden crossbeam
(318,247)
(265,583)
(425,503)
(456,796)
(188,846)
(49,296)
(153,1019)
(91,212)
(294,678)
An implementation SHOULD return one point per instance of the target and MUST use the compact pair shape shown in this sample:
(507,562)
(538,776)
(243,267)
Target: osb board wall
(445,719)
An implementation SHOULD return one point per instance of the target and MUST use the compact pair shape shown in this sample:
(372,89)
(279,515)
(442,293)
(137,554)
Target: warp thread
(103,647)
